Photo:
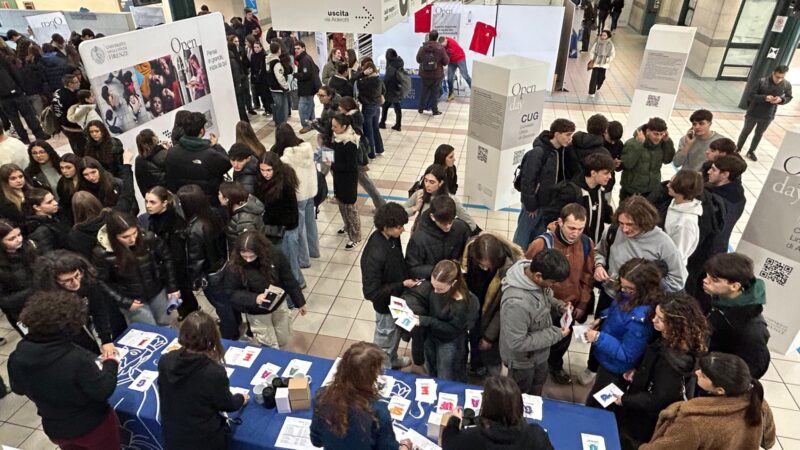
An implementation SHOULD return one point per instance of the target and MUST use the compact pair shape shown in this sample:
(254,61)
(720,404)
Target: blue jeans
(153,312)
(308,235)
(441,358)
(290,246)
(280,107)
(306,108)
(525,225)
(387,337)
(229,318)
(451,74)
(372,116)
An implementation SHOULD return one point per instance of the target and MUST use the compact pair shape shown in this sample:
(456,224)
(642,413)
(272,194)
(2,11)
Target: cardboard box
(282,400)
(436,424)
(299,390)
(300,405)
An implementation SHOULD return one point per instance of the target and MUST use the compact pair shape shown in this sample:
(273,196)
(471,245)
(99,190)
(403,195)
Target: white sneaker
(400,362)
(591,95)
(586,377)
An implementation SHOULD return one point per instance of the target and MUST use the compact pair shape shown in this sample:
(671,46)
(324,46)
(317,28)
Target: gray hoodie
(527,330)
(654,245)
(696,156)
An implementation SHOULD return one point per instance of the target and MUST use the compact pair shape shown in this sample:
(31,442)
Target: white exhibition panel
(663,64)
(45,25)
(530,31)
(345,16)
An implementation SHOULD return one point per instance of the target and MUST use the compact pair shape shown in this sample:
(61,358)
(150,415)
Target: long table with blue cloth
(411,100)
(259,428)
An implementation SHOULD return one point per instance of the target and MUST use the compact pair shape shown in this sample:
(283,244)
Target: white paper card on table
(173,345)
(385,385)
(332,372)
(608,395)
(264,372)
(296,366)
(426,390)
(473,399)
(137,339)
(232,355)
(592,442)
(295,434)
(532,406)
(447,403)
(238,390)
(229,371)
(579,333)
(248,356)
(398,406)
(144,380)
(420,442)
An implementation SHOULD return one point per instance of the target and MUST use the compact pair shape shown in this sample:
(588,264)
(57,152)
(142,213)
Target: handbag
(275,233)
(590,65)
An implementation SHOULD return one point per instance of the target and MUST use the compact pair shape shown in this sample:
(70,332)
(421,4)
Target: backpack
(49,121)
(586,241)
(429,62)
(404,82)
(518,170)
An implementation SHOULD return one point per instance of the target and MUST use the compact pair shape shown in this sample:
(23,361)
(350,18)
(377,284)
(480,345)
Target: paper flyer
(592,442)
(174,345)
(144,380)
(447,402)
(420,442)
(608,395)
(566,318)
(243,357)
(137,339)
(579,333)
(426,390)
(229,371)
(532,406)
(295,434)
(385,385)
(296,366)
(398,406)
(473,399)
(264,372)
(238,390)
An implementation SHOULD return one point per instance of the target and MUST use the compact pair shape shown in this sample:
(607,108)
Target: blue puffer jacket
(54,68)
(624,337)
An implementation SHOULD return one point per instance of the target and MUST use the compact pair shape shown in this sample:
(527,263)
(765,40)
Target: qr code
(652,100)
(518,156)
(776,271)
(483,154)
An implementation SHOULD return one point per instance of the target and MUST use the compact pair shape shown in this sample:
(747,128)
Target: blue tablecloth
(411,100)
(139,411)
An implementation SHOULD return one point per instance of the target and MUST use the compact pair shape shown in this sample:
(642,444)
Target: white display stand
(505,117)
(660,75)
(772,239)
(44,25)
(345,16)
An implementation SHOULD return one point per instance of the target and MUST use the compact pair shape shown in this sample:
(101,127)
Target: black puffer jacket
(541,168)
(205,249)
(170,228)
(82,238)
(391,80)
(383,270)
(34,78)
(151,171)
(244,288)
(664,376)
(497,437)
(370,88)
(583,145)
(195,161)
(10,212)
(281,211)
(307,75)
(429,245)
(104,304)
(15,281)
(237,71)
(248,176)
(153,272)
(54,68)
(46,233)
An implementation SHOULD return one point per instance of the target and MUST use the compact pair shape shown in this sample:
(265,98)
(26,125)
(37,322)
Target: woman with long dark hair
(247,136)
(138,266)
(394,89)
(285,137)
(101,146)
(16,265)
(88,216)
(620,342)
(277,190)
(501,423)
(245,211)
(259,77)
(349,107)
(43,166)
(194,388)
(345,176)
(150,165)
(111,191)
(443,306)
(434,183)
(43,227)
(12,193)
(371,95)
(735,415)
(259,283)
(348,413)
(70,166)
(445,156)
(666,373)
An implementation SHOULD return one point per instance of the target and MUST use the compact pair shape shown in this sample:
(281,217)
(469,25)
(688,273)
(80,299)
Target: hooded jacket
(758,107)
(307,75)
(383,270)
(623,337)
(733,196)
(642,164)
(193,391)
(696,156)
(683,227)
(345,166)
(370,89)
(495,437)
(653,245)
(527,331)
(276,78)
(54,68)
(247,217)
(598,210)
(429,245)
(738,327)
(243,288)
(249,175)
(151,171)
(441,60)
(47,233)
(584,144)
(82,238)
(70,392)
(394,64)
(443,318)
(301,159)
(195,161)
(541,168)
(83,114)
(713,423)
(664,376)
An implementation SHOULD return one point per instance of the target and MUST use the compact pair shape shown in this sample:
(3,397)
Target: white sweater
(301,158)
(682,225)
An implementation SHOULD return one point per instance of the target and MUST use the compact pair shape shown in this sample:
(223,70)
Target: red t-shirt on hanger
(482,38)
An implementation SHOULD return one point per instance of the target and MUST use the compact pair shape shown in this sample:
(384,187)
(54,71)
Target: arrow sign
(368,17)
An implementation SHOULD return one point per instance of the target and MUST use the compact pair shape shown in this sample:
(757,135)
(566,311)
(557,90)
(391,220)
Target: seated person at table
(69,390)
(194,388)
(349,413)
(256,265)
(501,424)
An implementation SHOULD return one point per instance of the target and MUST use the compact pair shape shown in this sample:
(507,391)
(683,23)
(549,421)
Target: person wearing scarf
(602,54)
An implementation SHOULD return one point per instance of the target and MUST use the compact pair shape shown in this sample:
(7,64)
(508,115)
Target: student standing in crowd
(238,74)
(258,77)
(737,298)
(12,193)
(70,390)
(44,228)
(42,169)
(682,219)
(434,184)
(586,143)
(101,146)
(692,146)
(150,165)
(194,388)
(438,235)
(247,136)
(69,167)
(602,54)
(85,110)
(308,84)
(345,176)
(384,274)
(393,80)
(445,156)
(724,180)
(432,59)
(245,211)
(458,61)
(278,81)
(15,104)
(334,58)
(245,167)
(642,158)
(341,82)
(717,148)
(16,265)
(111,191)
(371,92)
(89,216)
(349,107)
(771,91)
(63,99)
(735,415)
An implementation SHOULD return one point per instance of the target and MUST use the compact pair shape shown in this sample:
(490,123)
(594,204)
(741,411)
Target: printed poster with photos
(142,78)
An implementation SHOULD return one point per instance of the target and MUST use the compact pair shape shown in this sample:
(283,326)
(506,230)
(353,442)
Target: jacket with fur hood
(527,330)
(682,224)
(345,166)
(83,114)
(301,159)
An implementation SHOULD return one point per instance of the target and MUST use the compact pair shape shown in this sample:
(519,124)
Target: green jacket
(641,164)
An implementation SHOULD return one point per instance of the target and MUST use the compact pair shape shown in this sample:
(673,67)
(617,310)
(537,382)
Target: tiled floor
(338,315)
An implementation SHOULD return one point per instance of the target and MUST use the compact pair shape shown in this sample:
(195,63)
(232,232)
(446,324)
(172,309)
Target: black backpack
(429,62)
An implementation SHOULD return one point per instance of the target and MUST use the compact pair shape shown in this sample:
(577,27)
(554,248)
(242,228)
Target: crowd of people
(672,317)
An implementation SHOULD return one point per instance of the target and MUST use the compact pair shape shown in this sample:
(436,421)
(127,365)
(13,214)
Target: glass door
(748,32)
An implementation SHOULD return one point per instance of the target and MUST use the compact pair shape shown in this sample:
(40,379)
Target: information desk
(411,100)
(139,411)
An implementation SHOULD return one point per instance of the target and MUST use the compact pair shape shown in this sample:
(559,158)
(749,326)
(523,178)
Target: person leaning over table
(501,424)
(348,413)
(194,388)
